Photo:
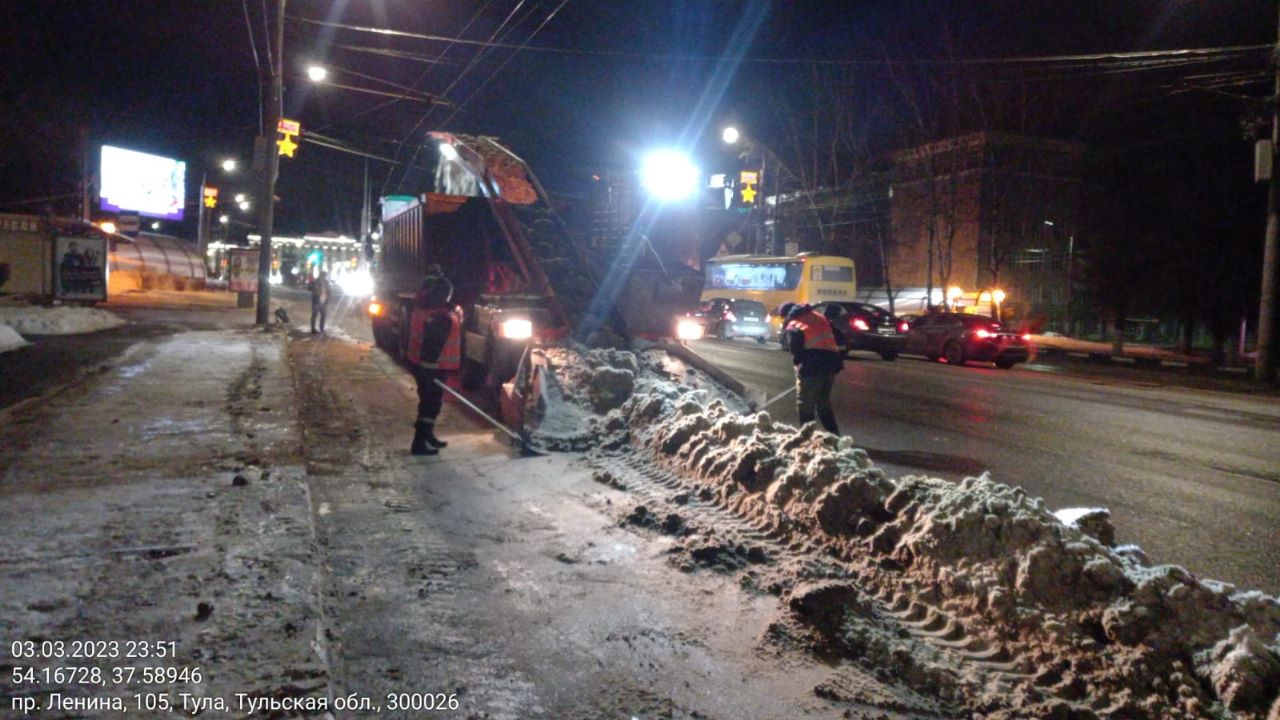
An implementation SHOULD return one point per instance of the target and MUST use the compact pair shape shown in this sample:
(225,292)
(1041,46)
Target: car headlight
(516,329)
(688,330)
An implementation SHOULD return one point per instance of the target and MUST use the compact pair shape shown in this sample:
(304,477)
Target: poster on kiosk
(80,272)
(242,270)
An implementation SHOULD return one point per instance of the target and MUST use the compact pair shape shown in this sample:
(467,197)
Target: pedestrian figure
(816,356)
(319,288)
(435,348)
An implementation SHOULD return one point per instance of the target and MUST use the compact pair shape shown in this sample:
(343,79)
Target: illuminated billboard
(149,185)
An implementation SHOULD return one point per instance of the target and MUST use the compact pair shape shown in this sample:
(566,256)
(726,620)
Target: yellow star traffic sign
(749,195)
(210,197)
(287,146)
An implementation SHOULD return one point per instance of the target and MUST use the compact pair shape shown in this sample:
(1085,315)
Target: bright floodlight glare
(224,219)
(107,226)
(668,175)
(730,135)
(244,205)
(317,73)
(448,152)
(689,330)
(241,197)
(229,165)
(358,283)
(516,329)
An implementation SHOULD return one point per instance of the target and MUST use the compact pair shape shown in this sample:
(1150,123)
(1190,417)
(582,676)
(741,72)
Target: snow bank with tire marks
(1094,629)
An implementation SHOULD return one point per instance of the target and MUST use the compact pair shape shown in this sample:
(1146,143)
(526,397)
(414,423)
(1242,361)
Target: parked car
(867,327)
(727,318)
(961,337)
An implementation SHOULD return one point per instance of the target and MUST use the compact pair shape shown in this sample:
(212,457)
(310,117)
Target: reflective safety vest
(450,357)
(817,331)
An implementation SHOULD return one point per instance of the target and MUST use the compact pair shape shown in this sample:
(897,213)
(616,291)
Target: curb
(1143,363)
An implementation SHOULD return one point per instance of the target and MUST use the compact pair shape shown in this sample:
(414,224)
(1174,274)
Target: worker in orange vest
(816,354)
(435,348)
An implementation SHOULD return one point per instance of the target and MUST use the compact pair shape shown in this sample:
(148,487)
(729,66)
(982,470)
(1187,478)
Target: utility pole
(86,175)
(270,169)
(365,220)
(1265,363)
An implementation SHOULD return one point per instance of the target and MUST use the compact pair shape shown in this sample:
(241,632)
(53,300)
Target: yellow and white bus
(804,278)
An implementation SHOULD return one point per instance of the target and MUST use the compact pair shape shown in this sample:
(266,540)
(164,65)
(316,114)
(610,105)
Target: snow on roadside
(582,386)
(1094,628)
(10,339)
(61,320)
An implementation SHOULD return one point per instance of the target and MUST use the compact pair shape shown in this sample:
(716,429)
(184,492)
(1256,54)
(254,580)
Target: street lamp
(731,135)
(320,74)
(228,166)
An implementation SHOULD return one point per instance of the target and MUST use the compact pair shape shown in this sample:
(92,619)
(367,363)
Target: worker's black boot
(433,440)
(420,446)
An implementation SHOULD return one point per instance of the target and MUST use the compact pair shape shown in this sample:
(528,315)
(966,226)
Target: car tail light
(983,333)
(1026,337)
(904,326)
(860,324)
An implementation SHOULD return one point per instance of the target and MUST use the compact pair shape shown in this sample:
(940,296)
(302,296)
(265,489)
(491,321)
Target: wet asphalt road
(1190,475)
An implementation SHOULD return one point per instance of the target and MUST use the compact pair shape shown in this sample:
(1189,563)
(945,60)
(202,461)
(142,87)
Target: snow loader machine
(519,276)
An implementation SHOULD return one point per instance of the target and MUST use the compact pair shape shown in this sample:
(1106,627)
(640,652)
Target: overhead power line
(1216,53)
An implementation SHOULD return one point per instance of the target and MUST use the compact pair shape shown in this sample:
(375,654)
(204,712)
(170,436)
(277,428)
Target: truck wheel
(402,339)
(1004,364)
(380,336)
(760,340)
(889,355)
(954,354)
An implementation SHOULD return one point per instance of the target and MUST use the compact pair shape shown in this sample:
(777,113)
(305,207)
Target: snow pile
(987,576)
(1093,628)
(576,395)
(10,339)
(61,320)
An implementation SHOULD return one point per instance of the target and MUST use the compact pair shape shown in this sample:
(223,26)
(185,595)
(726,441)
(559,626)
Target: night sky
(178,78)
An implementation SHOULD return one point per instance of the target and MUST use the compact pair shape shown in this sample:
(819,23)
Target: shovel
(521,439)
(776,398)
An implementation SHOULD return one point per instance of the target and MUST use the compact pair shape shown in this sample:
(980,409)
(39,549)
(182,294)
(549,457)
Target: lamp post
(228,166)
(767,240)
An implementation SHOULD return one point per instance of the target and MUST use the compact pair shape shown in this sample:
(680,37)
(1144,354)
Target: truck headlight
(688,330)
(375,308)
(516,329)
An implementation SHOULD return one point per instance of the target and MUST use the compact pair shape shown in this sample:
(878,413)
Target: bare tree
(836,190)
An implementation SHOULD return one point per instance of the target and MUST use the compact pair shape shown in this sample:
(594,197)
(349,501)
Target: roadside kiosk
(54,259)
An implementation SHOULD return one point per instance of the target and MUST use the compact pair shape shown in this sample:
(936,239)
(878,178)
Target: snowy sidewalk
(515,588)
(163,501)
